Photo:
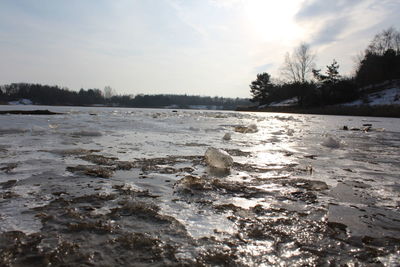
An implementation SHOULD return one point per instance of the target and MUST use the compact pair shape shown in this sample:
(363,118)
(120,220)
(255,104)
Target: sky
(195,47)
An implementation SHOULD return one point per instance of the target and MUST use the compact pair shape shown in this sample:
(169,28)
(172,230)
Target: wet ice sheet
(299,184)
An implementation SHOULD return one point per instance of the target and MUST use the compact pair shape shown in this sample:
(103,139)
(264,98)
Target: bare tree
(298,66)
(108,92)
(357,60)
(397,43)
(385,40)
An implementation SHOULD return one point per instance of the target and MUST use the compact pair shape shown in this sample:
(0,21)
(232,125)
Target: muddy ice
(131,187)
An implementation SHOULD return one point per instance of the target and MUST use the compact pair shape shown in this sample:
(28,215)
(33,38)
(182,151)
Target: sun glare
(273,20)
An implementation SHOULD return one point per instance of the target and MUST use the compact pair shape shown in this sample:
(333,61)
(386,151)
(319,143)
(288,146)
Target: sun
(273,20)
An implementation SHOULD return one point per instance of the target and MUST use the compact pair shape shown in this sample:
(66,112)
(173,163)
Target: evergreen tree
(332,74)
(261,88)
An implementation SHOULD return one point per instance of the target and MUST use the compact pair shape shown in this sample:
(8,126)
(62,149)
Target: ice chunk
(331,142)
(190,182)
(218,158)
(252,128)
(284,118)
(38,130)
(227,137)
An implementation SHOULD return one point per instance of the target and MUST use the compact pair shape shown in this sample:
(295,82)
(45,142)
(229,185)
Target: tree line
(313,87)
(54,95)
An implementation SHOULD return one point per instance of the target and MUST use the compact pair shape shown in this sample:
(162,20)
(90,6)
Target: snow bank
(22,101)
(285,103)
(385,97)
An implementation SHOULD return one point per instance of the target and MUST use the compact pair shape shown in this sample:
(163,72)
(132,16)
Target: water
(115,186)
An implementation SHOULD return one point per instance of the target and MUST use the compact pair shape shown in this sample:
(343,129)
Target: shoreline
(390,111)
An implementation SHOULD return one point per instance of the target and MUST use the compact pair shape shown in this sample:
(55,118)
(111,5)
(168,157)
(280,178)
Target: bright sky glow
(202,47)
(278,13)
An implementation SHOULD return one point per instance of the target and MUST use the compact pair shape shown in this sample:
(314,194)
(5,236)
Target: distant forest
(54,95)
(380,62)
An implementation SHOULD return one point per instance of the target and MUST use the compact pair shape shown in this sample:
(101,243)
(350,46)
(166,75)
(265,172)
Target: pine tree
(332,74)
(261,88)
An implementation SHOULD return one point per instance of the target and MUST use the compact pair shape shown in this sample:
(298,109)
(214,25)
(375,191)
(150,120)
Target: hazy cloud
(314,8)
(341,29)
(330,31)
(210,47)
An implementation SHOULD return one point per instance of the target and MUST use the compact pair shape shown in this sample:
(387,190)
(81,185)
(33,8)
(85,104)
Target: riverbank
(29,112)
(392,111)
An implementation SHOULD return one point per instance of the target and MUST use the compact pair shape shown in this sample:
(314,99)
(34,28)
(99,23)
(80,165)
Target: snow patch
(22,101)
(284,103)
(385,97)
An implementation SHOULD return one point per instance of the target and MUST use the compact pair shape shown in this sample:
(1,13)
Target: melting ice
(114,186)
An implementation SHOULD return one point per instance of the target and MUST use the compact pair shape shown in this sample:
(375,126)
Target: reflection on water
(105,186)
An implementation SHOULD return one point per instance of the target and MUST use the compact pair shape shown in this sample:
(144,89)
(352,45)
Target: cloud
(330,32)
(327,21)
(182,14)
(340,28)
(212,47)
(315,8)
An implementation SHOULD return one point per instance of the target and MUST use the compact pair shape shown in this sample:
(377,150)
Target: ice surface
(287,197)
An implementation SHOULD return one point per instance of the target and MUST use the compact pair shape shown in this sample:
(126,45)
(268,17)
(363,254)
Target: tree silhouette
(261,88)
(108,92)
(384,41)
(332,74)
(381,61)
(299,65)
(54,95)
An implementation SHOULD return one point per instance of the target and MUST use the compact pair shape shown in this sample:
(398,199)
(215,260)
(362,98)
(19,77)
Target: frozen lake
(121,186)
